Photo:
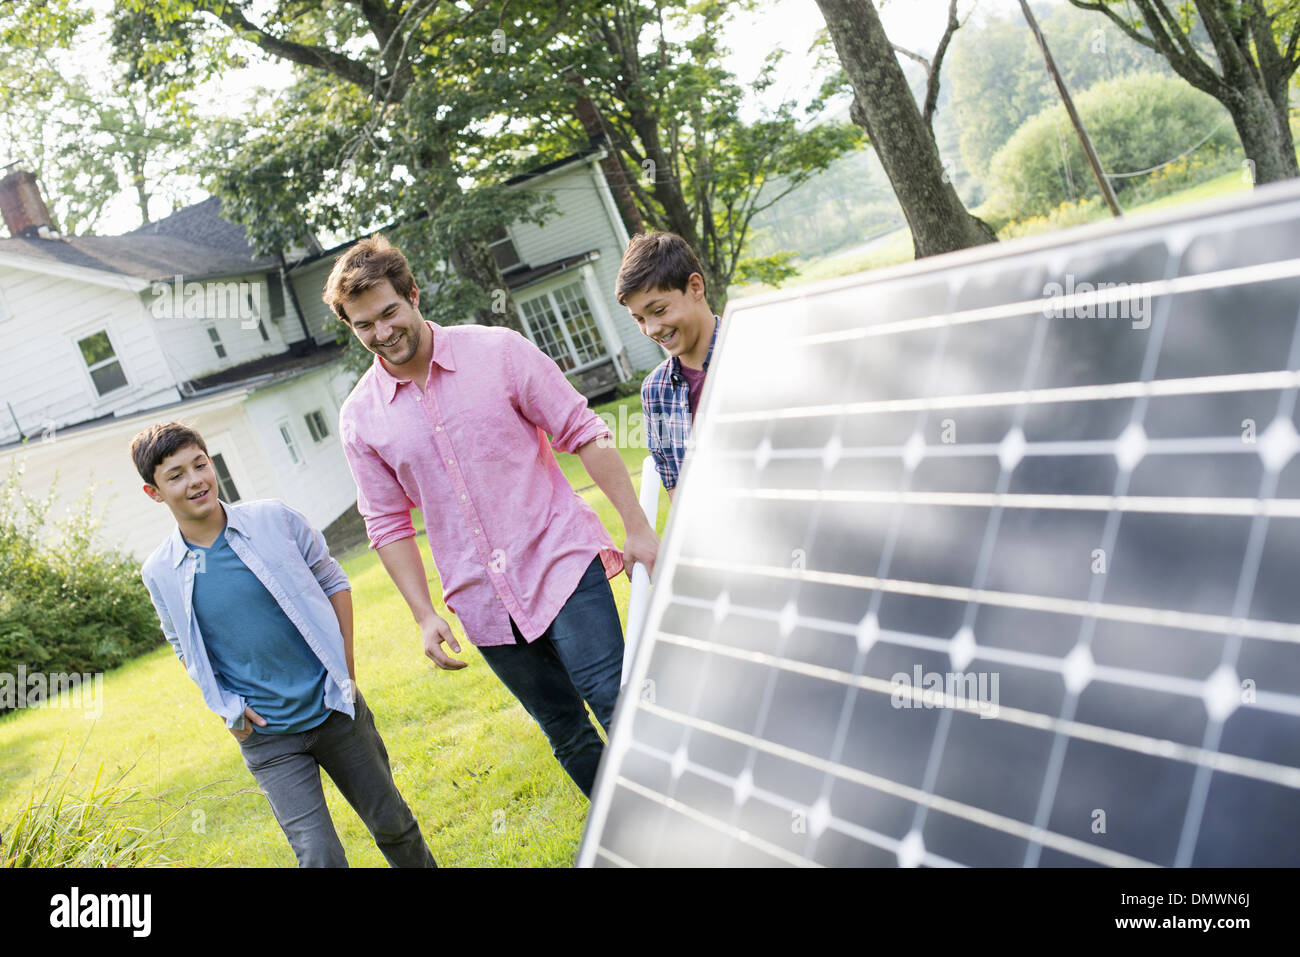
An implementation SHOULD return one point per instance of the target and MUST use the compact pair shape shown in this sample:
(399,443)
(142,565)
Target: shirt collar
(178,548)
(388,383)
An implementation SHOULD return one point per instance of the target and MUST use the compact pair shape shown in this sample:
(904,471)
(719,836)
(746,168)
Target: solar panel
(986,560)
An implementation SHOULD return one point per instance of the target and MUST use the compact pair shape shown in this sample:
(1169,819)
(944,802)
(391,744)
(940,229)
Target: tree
(884,106)
(998,81)
(86,137)
(653,71)
(1253,51)
(385,123)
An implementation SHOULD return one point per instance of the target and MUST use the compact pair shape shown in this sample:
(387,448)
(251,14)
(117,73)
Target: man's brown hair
(362,267)
(656,261)
(150,447)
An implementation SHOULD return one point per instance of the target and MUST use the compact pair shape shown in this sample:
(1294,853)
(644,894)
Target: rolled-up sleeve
(381,500)
(311,544)
(547,399)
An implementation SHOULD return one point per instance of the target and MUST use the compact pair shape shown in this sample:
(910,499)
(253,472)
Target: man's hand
(249,715)
(436,631)
(642,545)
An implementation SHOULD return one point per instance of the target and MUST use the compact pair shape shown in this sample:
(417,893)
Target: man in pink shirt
(453,420)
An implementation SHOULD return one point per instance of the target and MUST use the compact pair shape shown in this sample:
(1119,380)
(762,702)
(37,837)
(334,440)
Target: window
(226,490)
(275,293)
(101,362)
(289,444)
(216,342)
(503,251)
(316,426)
(562,325)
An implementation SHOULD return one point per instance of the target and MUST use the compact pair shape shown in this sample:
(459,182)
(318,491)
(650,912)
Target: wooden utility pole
(1111,199)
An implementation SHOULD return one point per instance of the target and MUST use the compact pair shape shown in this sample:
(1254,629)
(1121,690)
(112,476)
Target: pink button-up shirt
(509,535)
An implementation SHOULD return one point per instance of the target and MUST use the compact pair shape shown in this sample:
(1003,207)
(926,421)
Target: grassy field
(896,247)
(474,767)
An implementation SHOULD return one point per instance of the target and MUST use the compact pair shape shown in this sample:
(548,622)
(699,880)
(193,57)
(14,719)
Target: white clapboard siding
(239,425)
(186,342)
(309,283)
(42,374)
(320,484)
(584,221)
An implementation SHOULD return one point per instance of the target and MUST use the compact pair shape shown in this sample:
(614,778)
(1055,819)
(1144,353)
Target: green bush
(633,385)
(1063,216)
(1135,122)
(66,607)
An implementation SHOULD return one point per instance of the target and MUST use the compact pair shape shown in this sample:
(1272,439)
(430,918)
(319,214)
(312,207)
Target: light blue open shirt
(290,558)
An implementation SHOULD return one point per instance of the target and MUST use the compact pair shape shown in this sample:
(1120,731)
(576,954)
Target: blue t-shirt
(255,650)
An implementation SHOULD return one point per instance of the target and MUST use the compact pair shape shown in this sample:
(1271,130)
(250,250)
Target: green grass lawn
(475,769)
(896,247)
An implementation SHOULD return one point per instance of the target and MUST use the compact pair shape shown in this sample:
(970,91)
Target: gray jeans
(287,769)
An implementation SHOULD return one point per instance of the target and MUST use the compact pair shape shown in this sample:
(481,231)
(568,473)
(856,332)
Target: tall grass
(58,827)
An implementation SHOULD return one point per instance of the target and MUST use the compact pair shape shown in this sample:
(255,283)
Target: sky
(792,25)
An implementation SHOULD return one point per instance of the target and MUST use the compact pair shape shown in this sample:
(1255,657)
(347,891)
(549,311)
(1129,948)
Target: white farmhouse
(102,336)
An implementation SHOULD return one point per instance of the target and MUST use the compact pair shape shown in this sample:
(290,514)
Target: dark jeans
(580,656)
(287,768)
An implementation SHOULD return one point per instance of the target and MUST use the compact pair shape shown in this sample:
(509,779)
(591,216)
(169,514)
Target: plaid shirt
(665,404)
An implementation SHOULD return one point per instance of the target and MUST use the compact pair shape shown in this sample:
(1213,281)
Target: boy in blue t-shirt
(661,282)
(261,617)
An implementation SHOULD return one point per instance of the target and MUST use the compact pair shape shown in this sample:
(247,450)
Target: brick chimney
(25,212)
(593,124)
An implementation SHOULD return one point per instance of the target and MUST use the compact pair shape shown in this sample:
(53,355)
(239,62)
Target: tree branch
(340,65)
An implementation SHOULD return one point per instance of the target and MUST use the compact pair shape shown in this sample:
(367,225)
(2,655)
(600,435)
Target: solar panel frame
(1042,257)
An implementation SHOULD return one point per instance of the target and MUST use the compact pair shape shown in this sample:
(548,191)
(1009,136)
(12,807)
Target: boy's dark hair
(656,261)
(367,263)
(150,447)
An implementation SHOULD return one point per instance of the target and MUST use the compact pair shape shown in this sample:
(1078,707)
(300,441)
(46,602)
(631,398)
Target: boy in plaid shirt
(662,284)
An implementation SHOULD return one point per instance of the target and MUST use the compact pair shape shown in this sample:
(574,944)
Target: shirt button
(437,428)
(476,531)
(418,397)
(451,461)
(462,496)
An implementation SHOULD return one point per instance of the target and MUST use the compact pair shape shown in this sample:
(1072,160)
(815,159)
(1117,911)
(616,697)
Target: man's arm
(387,512)
(402,561)
(606,468)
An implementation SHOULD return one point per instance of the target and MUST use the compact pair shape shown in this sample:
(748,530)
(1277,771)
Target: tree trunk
(474,263)
(883,105)
(1265,134)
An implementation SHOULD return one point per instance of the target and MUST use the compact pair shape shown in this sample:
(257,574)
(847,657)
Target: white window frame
(214,340)
(290,443)
(548,295)
(88,332)
(328,434)
(223,443)
(225,458)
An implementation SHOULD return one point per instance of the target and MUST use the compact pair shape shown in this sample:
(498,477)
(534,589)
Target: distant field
(896,247)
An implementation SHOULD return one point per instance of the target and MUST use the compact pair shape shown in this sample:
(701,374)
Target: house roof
(194,242)
(526,277)
(201,224)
